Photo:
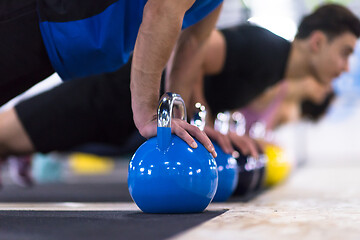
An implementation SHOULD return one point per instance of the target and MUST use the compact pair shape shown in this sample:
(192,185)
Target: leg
(13,137)
(89,110)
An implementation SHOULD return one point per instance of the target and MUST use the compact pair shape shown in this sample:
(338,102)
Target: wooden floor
(317,202)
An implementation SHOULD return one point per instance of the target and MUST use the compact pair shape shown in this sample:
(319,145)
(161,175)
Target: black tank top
(255,59)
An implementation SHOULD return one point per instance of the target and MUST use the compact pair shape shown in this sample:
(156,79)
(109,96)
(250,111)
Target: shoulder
(215,53)
(246,29)
(252,35)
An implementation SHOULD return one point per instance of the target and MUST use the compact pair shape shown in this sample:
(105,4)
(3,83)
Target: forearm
(183,70)
(188,56)
(158,33)
(197,96)
(213,62)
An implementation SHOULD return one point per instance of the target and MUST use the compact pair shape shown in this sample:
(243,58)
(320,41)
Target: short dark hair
(332,19)
(313,111)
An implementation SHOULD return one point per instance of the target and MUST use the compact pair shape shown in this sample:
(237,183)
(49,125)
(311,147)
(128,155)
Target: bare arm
(158,33)
(186,65)
(213,60)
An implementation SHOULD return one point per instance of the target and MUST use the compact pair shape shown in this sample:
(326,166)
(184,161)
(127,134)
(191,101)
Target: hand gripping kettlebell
(165,174)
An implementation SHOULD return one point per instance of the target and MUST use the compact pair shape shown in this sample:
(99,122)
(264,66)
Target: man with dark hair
(238,64)
(333,20)
(253,59)
(246,60)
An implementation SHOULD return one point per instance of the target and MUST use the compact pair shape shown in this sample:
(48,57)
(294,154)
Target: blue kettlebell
(166,175)
(228,175)
(226,165)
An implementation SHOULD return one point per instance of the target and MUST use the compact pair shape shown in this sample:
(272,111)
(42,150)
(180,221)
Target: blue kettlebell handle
(164,115)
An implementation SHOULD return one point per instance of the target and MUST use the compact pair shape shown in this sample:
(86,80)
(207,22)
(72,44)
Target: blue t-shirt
(89,37)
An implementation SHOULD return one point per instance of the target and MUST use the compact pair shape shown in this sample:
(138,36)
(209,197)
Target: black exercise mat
(84,192)
(89,225)
(66,192)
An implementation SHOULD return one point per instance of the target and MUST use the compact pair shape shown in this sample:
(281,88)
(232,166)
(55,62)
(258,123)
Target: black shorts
(23,58)
(90,110)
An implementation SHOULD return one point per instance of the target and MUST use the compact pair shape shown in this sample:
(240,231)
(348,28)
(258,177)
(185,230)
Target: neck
(298,62)
(295,89)
(298,70)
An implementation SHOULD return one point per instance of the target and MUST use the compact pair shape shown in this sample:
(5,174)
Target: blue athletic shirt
(89,37)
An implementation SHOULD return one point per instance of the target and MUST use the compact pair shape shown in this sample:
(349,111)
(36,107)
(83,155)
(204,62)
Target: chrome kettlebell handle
(199,117)
(238,123)
(222,122)
(165,109)
(164,115)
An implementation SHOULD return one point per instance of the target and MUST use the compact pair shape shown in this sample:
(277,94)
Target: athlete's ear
(317,39)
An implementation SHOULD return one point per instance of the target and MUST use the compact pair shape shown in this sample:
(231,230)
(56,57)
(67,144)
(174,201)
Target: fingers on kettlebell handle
(184,135)
(186,132)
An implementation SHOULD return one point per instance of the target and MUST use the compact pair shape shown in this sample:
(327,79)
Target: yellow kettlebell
(84,163)
(278,165)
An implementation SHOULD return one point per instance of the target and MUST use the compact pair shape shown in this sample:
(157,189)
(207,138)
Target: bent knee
(13,138)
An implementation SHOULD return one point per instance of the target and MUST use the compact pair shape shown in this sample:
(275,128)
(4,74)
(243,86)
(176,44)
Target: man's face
(332,57)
